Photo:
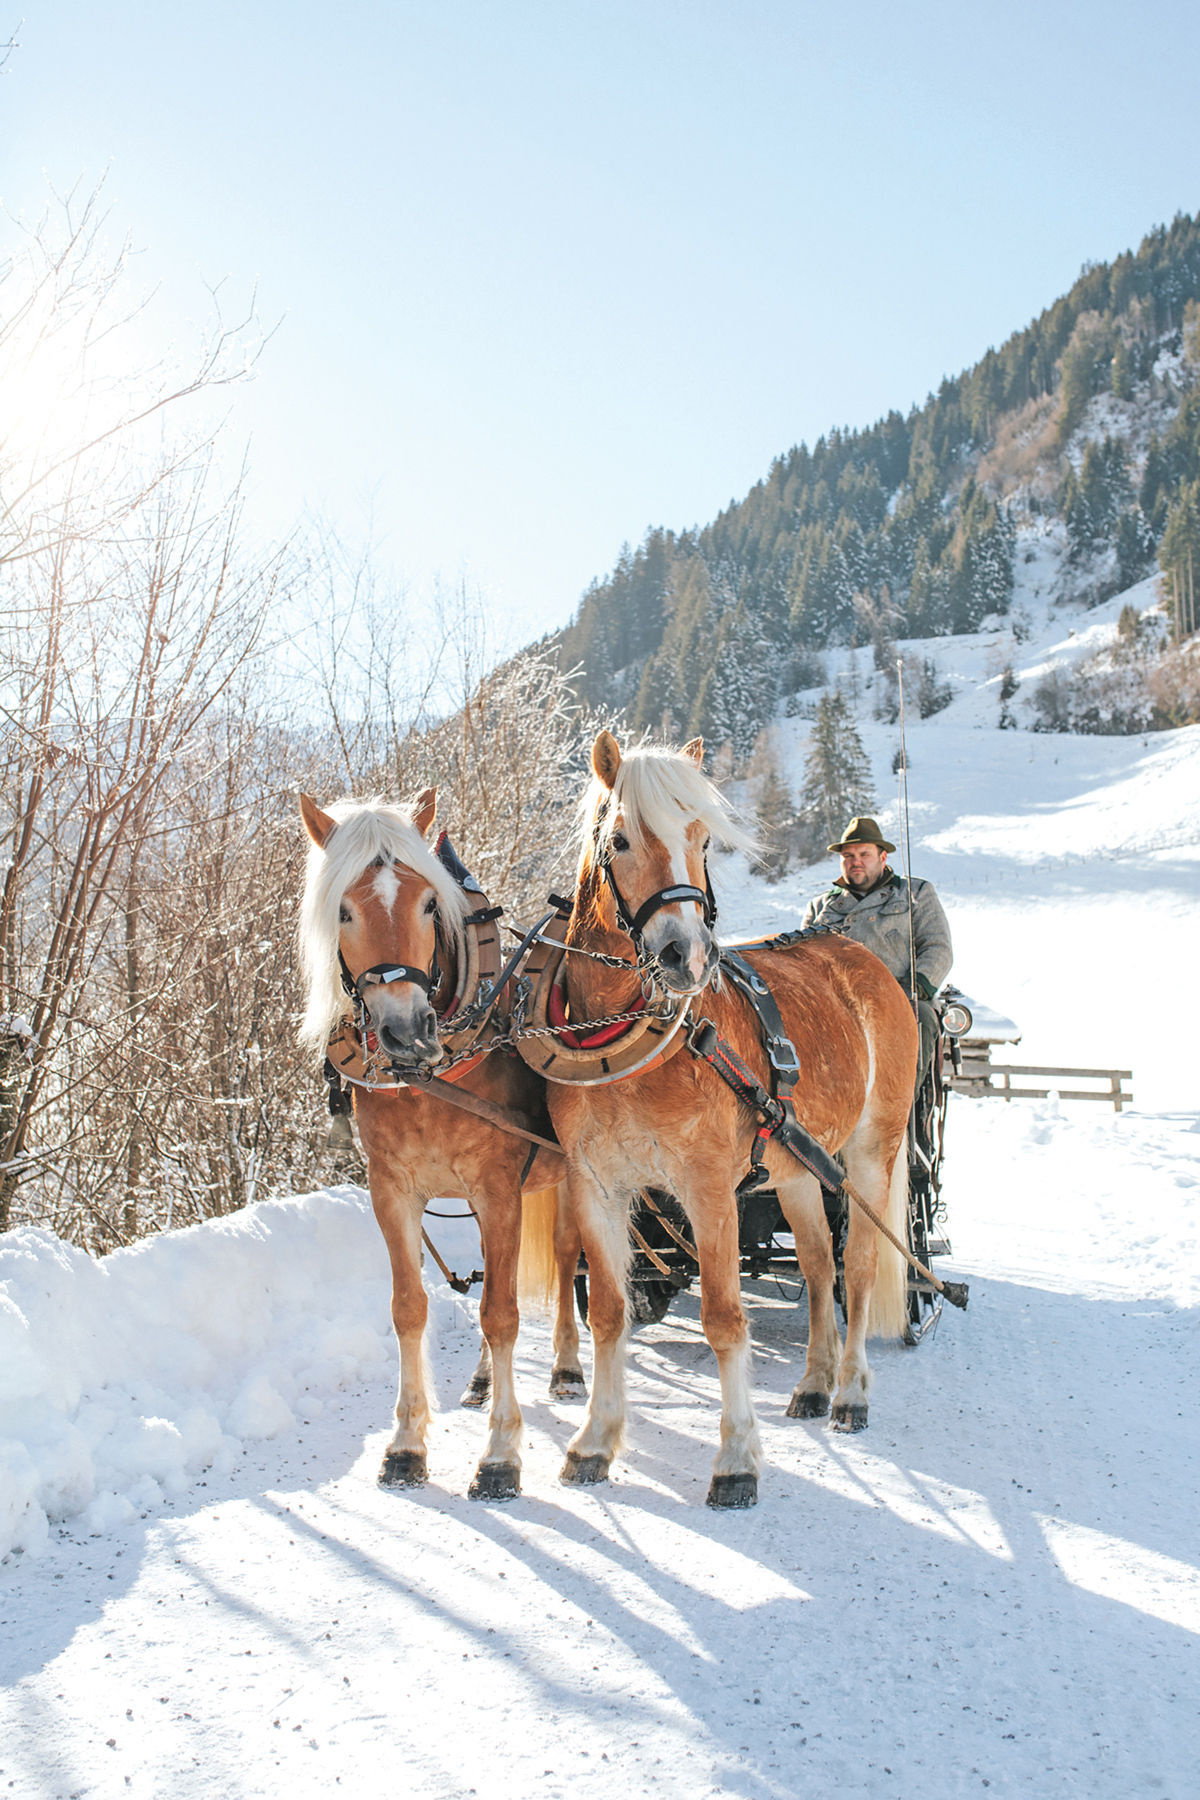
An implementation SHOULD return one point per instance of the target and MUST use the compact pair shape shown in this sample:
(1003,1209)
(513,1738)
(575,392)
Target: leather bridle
(635,923)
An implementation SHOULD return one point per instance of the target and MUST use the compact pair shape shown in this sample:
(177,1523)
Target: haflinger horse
(643,893)
(383,915)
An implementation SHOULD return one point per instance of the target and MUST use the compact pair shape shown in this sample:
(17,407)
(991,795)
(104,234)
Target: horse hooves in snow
(403,1468)
(808,1406)
(584,1471)
(733,1490)
(567,1384)
(496,1481)
(476,1391)
(849,1416)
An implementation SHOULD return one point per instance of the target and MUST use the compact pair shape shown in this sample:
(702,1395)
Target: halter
(464,1004)
(636,923)
(381,973)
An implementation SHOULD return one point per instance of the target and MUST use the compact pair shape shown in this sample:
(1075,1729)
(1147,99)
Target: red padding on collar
(556,1012)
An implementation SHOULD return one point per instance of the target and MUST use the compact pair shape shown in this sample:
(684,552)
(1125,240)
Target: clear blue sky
(549,273)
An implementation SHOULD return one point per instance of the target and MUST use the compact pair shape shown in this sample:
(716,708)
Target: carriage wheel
(648,1300)
(924,1302)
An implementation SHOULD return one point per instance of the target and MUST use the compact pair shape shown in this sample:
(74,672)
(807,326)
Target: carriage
(664,1259)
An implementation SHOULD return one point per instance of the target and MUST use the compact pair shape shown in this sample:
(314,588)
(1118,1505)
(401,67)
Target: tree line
(705,630)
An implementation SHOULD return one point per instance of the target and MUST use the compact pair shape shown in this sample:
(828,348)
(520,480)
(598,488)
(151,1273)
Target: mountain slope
(1089,417)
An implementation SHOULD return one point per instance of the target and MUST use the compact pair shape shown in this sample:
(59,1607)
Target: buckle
(702,1038)
(781,1054)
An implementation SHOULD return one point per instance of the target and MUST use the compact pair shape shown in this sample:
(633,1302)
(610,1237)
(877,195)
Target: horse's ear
(606,758)
(695,750)
(425,811)
(318,824)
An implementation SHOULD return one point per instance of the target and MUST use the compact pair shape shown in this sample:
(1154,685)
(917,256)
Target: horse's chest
(629,1154)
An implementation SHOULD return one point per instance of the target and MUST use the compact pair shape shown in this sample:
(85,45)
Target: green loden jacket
(880,921)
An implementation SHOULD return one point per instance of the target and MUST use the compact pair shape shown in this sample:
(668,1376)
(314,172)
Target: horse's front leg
(399,1216)
(602,1218)
(715,1229)
(498,1476)
(566,1377)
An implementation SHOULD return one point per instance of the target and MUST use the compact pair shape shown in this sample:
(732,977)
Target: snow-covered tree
(837,776)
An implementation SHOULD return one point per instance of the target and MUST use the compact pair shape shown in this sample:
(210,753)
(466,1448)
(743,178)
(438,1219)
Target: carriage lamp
(957,1019)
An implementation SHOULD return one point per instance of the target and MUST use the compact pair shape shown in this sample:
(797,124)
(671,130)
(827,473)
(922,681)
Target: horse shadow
(1003,1569)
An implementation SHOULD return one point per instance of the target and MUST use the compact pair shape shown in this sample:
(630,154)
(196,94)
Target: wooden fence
(978,1076)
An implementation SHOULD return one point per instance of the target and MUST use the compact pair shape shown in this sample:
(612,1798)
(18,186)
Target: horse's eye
(431,904)
(619,841)
(343,915)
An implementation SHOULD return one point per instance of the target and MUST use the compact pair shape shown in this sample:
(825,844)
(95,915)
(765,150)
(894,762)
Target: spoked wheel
(648,1300)
(924,1303)
(927,1129)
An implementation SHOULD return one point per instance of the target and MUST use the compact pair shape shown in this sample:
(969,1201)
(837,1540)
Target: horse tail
(536,1268)
(889,1298)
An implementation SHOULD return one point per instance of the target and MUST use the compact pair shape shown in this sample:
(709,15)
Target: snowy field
(997,1587)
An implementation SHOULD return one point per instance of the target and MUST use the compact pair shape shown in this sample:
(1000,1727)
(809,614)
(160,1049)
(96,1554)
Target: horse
(642,894)
(382,919)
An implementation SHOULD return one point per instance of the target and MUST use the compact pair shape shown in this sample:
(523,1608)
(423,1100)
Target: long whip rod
(907,841)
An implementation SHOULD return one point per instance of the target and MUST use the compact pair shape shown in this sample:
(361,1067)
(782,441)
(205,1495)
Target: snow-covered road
(998,1586)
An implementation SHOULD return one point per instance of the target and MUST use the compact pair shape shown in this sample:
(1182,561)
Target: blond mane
(367,832)
(655,787)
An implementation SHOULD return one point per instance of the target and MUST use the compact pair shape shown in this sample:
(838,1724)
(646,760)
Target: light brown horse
(648,819)
(380,909)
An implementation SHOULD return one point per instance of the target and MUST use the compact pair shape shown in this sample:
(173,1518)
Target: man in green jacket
(872,904)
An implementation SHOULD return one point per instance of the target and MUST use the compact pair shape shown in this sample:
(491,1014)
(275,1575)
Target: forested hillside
(909,527)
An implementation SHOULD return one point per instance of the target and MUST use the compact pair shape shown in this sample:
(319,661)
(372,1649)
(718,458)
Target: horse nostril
(422,1040)
(671,955)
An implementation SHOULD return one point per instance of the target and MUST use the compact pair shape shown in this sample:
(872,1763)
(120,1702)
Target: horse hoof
(849,1416)
(403,1468)
(496,1481)
(584,1471)
(733,1490)
(567,1384)
(807,1406)
(476,1391)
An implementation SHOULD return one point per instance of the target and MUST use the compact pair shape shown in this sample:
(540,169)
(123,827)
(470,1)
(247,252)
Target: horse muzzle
(408,1040)
(685,960)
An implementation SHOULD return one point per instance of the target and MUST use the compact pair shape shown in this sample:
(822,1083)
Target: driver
(870,902)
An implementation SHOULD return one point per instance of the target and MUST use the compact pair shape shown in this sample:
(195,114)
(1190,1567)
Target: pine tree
(775,818)
(1179,556)
(837,776)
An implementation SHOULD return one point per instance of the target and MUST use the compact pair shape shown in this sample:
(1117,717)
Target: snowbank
(121,1380)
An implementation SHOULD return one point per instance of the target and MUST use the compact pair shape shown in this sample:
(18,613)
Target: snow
(997,1587)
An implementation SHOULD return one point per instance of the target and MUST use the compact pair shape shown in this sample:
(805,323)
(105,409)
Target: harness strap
(503,1116)
(777,1115)
(781,1052)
